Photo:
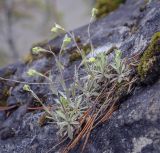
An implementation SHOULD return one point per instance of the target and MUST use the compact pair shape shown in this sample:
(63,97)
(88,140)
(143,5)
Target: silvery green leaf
(62,131)
(118,53)
(72,114)
(113,66)
(61,114)
(57,101)
(52,85)
(73,89)
(64,101)
(95,93)
(119,79)
(47,110)
(75,123)
(70,131)
(123,67)
(59,65)
(62,94)
(79,100)
(62,124)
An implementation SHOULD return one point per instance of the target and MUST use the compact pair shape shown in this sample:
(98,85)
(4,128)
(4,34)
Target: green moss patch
(106,6)
(75,55)
(149,66)
(4,92)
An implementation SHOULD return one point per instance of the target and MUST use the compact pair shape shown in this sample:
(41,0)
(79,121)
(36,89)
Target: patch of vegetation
(106,6)
(91,98)
(148,67)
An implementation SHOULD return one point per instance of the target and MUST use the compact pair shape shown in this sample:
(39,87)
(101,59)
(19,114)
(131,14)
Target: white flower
(26,87)
(66,41)
(94,12)
(56,28)
(37,50)
(91,60)
(32,72)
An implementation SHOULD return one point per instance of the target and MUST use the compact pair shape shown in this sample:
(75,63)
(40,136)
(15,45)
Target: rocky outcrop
(133,128)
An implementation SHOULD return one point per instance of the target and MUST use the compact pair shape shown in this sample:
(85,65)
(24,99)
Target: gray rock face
(134,128)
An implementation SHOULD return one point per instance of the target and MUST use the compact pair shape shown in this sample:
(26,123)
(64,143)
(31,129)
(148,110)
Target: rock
(2,117)
(133,128)
(7,133)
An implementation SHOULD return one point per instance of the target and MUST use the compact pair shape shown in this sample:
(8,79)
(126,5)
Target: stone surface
(134,128)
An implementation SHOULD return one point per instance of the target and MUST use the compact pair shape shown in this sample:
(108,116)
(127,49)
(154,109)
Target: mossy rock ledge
(133,128)
(149,66)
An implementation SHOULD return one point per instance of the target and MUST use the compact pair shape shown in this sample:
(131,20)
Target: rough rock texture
(134,128)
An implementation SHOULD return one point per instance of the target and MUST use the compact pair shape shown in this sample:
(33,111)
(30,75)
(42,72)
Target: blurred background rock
(24,22)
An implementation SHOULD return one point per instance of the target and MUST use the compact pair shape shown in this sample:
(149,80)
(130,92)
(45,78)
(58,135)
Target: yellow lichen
(148,61)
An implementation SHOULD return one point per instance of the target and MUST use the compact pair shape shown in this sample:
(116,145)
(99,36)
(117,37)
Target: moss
(4,93)
(31,57)
(150,60)
(78,39)
(106,6)
(76,55)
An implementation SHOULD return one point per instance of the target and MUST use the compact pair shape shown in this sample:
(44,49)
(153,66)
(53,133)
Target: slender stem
(89,35)
(23,82)
(74,40)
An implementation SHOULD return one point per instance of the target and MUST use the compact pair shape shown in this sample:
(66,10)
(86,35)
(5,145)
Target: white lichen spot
(140,143)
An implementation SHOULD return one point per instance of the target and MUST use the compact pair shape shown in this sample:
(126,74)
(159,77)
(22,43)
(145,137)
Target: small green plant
(98,66)
(67,114)
(69,108)
(86,102)
(70,105)
(119,66)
